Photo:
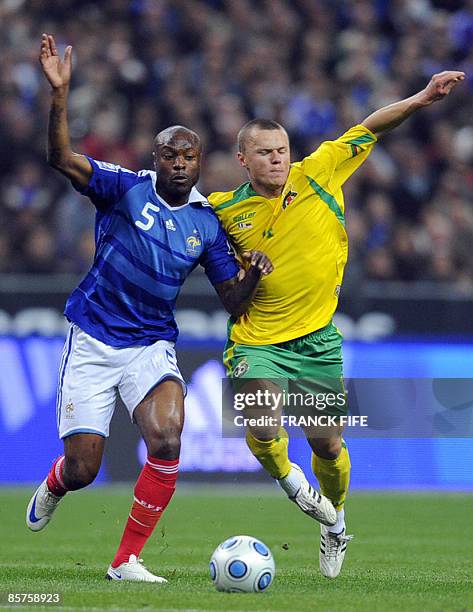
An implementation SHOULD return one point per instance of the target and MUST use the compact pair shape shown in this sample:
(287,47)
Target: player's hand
(57,71)
(441,84)
(258,261)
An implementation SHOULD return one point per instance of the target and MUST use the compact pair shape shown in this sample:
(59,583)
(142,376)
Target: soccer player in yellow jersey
(295,213)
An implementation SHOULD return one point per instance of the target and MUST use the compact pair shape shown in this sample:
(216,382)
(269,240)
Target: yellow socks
(272,454)
(333,476)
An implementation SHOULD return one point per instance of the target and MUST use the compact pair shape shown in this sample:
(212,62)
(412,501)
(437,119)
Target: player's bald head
(178,136)
(249,130)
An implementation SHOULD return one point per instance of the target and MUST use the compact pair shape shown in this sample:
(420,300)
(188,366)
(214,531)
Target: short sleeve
(218,259)
(107,184)
(336,160)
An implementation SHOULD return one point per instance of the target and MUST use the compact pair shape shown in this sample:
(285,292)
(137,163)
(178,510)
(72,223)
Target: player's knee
(327,448)
(79,473)
(164,444)
(263,434)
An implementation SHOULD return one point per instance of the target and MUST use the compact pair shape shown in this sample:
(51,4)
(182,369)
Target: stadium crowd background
(317,67)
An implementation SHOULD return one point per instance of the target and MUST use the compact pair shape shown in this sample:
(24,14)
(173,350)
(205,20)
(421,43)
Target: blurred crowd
(316,66)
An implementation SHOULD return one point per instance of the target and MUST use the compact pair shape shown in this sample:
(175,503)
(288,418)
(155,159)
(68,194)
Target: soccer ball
(242,564)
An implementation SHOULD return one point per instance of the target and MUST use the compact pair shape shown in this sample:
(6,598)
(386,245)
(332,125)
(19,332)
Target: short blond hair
(261,124)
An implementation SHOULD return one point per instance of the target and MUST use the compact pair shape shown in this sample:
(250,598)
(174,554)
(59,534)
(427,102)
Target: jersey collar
(195,197)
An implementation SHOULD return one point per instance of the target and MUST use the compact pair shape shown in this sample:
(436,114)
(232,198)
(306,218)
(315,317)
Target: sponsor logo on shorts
(241,368)
(337,290)
(69,410)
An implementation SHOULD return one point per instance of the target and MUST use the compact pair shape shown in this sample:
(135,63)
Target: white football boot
(332,551)
(133,570)
(310,501)
(41,507)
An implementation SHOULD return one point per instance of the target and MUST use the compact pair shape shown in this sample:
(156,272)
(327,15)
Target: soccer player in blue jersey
(152,230)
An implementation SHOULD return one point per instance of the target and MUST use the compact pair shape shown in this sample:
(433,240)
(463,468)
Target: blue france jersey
(145,249)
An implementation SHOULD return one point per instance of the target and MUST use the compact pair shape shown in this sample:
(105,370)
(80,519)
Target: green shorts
(311,364)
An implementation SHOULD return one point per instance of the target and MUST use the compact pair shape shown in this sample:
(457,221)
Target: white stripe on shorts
(64,359)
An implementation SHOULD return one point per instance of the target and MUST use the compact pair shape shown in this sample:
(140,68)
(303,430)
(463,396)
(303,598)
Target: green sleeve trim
(243,192)
(328,199)
(366,138)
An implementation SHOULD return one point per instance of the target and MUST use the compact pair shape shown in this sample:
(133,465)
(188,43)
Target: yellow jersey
(303,233)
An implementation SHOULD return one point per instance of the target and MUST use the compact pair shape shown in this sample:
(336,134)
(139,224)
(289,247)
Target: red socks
(153,491)
(55,482)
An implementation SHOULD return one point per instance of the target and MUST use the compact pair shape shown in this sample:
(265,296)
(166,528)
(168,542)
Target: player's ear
(241,159)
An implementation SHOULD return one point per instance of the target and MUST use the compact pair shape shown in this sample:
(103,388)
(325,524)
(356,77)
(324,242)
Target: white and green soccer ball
(242,564)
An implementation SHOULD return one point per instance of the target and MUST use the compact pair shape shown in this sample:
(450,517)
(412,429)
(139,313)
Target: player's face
(177,165)
(266,158)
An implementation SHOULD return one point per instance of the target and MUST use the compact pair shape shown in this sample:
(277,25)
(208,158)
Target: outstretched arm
(58,72)
(389,117)
(237,293)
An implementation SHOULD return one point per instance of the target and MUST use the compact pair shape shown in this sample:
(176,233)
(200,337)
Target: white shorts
(92,374)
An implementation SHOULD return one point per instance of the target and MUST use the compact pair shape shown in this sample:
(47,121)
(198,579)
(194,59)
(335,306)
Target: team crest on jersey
(288,199)
(241,368)
(193,243)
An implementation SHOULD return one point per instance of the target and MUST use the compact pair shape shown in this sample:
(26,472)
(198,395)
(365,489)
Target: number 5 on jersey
(148,216)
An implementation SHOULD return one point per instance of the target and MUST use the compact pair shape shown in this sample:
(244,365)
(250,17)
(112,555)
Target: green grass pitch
(410,552)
